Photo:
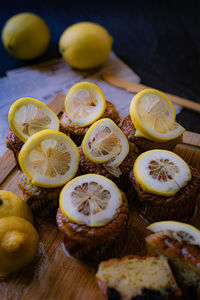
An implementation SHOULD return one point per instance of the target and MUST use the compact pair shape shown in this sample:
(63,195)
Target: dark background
(160,40)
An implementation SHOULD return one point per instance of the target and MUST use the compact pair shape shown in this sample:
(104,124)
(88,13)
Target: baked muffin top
(95,235)
(13,141)
(184,195)
(87,166)
(142,143)
(67,124)
(32,190)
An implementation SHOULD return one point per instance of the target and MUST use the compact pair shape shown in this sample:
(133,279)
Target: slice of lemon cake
(134,277)
(180,242)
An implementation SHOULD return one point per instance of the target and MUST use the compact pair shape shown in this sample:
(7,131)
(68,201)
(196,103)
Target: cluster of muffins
(43,197)
(92,167)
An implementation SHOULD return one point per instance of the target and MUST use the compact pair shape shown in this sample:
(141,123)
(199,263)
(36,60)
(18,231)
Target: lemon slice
(49,158)
(90,199)
(153,115)
(105,141)
(28,116)
(138,134)
(181,232)
(161,172)
(85,103)
(115,171)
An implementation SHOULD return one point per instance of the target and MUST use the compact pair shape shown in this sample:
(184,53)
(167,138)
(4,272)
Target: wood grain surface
(54,274)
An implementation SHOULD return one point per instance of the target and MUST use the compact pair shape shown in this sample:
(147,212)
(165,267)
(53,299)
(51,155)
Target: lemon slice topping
(161,172)
(104,141)
(28,116)
(85,103)
(90,199)
(176,230)
(49,158)
(153,115)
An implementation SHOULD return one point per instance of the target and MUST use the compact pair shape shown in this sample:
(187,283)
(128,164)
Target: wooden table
(53,274)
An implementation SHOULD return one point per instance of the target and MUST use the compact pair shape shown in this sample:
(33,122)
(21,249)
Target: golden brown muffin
(184,259)
(142,143)
(42,201)
(14,144)
(134,277)
(94,243)
(121,179)
(179,207)
(76,132)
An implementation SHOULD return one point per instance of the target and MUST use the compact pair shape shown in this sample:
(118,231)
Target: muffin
(26,117)
(14,144)
(42,201)
(105,150)
(152,122)
(177,204)
(134,277)
(77,132)
(93,228)
(183,255)
(142,143)
(119,175)
(48,160)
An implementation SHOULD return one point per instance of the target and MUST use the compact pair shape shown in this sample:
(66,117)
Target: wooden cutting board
(53,274)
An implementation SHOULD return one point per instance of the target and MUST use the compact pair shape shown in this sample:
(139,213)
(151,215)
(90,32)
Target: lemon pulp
(153,115)
(28,116)
(49,158)
(104,141)
(90,199)
(161,172)
(85,103)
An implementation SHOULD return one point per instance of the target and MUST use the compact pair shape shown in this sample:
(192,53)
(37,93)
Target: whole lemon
(26,36)
(12,205)
(85,45)
(19,242)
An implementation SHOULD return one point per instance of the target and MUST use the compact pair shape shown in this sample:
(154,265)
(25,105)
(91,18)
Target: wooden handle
(134,87)
(7,164)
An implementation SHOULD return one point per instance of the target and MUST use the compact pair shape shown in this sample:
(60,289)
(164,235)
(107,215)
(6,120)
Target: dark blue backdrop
(160,40)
